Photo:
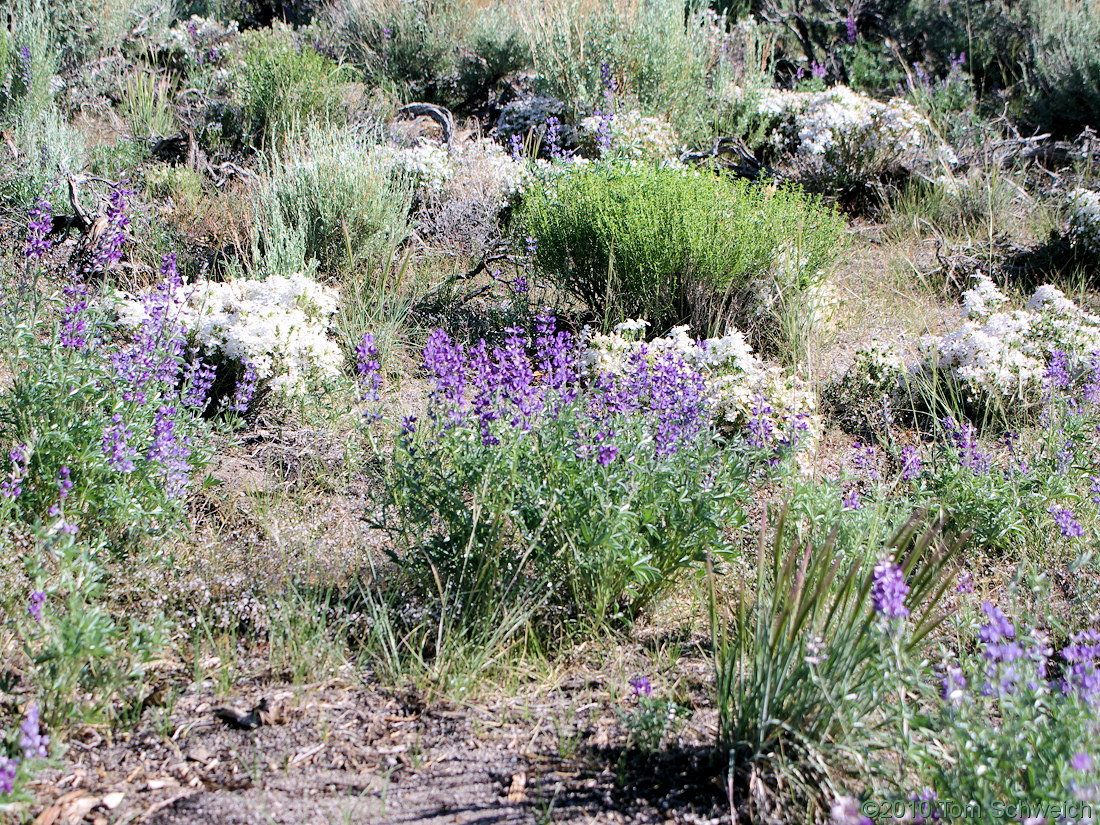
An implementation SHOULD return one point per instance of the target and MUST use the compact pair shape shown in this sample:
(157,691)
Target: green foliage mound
(676,246)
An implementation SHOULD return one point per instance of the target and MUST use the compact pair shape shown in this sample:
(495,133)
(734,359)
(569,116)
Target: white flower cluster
(1084,220)
(865,393)
(279,325)
(999,352)
(434,167)
(427,164)
(850,132)
(632,135)
(188,35)
(735,376)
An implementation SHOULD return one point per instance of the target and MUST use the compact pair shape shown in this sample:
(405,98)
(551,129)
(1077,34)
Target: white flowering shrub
(1084,220)
(1000,354)
(433,167)
(863,399)
(426,164)
(279,326)
(746,392)
(630,135)
(196,36)
(850,134)
(460,191)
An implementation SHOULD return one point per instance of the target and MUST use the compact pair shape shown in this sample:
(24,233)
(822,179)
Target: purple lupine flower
(246,388)
(1081,762)
(1064,457)
(1094,488)
(953,686)
(553,137)
(1001,651)
(851,500)
(677,399)
(38,230)
(557,356)
(519,285)
(116,447)
(408,425)
(865,459)
(606,78)
(797,425)
(169,453)
(515,146)
(607,451)
(1091,390)
(486,386)
(888,590)
(517,378)
(1067,524)
(28,64)
(604,138)
(109,251)
(641,686)
(966,583)
(531,246)
(64,483)
(1080,676)
(446,362)
(910,463)
(73,323)
(850,25)
(200,378)
(31,740)
(12,486)
(999,627)
(8,767)
(818,70)
(964,438)
(760,426)
(387,33)
(369,368)
(157,350)
(35,604)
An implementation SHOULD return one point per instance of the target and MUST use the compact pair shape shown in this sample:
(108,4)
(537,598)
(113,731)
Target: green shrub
(1065,82)
(406,44)
(675,65)
(449,52)
(325,202)
(44,139)
(676,246)
(83,29)
(286,87)
(991,34)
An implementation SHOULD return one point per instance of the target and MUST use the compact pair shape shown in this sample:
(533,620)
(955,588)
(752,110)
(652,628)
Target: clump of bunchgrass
(797,678)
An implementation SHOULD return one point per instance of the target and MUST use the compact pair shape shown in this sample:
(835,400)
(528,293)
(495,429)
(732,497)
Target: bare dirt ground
(343,752)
